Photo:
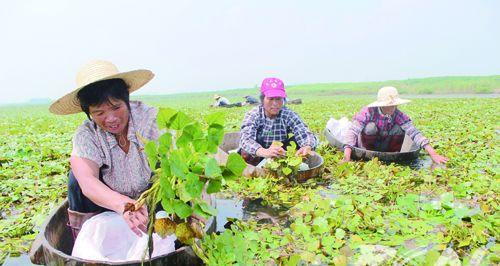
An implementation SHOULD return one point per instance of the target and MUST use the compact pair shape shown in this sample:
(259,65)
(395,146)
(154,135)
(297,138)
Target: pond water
(421,162)
(22,260)
(246,209)
(254,209)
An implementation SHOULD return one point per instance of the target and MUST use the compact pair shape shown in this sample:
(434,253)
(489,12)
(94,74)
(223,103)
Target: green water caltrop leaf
(286,170)
(164,143)
(166,187)
(151,151)
(178,164)
(164,117)
(179,121)
(216,118)
(212,169)
(207,208)
(194,185)
(214,186)
(236,164)
(168,205)
(182,209)
(214,137)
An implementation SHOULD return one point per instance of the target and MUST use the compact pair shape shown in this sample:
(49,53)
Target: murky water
(246,209)
(23,260)
(421,162)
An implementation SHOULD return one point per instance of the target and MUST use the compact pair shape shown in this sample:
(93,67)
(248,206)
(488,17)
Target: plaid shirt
(384,124)
(259,131)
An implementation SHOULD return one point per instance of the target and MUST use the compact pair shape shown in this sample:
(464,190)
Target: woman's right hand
(347,155)
(271,152)
(137,220)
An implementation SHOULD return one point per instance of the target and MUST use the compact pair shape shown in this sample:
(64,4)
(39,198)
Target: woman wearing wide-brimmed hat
(381,126)
(108,164)
(272,121)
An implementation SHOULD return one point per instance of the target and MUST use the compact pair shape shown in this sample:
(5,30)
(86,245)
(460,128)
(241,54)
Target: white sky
(208,45)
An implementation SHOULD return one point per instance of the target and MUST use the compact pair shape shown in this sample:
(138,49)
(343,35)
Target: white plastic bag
(106,237)
(338,128)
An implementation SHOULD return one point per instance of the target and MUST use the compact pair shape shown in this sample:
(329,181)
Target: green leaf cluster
(288,165)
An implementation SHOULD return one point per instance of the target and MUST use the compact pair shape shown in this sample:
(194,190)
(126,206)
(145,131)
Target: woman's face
(388,110)
(272,106)
(111,116)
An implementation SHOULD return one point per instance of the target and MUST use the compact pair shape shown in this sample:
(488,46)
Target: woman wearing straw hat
(220,101)
(271,121)
(381,126)
(108,165)
(224,102)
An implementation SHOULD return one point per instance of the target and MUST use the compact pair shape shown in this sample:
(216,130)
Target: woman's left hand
(435,156)
(137,220)
(439,159)
(199,218)
(304,151)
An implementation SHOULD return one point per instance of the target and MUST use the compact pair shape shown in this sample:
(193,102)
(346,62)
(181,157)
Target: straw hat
(94,71)
(216,96)
(388,96)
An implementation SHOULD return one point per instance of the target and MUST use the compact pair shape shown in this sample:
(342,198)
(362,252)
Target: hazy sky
(208,45)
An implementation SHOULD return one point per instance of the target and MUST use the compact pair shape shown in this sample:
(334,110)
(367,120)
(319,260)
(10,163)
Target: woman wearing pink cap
(271,121)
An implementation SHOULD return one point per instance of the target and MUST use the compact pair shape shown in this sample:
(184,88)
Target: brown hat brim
(69,104)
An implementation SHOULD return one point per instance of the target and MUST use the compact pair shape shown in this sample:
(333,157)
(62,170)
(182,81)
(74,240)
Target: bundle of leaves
(184,165)
(287,165)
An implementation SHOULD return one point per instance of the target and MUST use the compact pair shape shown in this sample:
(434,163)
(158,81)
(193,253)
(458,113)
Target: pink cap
(273,87)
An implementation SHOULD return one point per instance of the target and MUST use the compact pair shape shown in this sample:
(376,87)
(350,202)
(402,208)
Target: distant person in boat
(250,100)
(272,121)
(381,126)
(220,101)
(224,102)
(108,165)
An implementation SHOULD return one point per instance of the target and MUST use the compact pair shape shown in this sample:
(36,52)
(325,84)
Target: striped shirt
(259,131)
(384,123)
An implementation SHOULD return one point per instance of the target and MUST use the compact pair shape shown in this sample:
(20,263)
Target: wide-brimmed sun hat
(216,96)
(94,71)
(273,87)
(388,96)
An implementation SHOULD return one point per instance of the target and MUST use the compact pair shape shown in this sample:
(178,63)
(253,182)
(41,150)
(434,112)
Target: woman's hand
(271,152)
(347,154)
(304,151)
(137,220)
(438,159)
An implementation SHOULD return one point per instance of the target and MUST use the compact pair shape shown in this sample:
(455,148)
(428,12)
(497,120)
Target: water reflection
(248,209)
(420,162)
(22,260)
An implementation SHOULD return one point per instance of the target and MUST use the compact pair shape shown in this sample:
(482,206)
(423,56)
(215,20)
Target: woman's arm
(303,135)
(351,138)
(359,122)
(439,159)
(87,174)
(248,139)
(422,141)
